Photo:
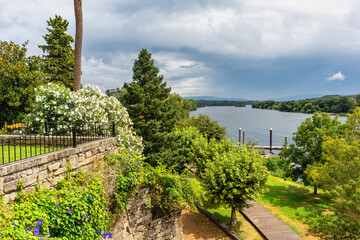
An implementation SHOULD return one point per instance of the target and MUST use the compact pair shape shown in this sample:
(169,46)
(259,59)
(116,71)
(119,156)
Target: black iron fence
(32,139)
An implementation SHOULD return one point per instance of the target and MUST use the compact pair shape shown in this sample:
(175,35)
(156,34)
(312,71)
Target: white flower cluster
(88,105)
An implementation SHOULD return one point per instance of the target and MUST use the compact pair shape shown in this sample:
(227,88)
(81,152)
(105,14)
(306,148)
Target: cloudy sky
(254,49)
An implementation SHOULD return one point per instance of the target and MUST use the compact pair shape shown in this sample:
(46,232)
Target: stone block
(11,186)
(10,197)
(54,166)
(43,175)
(1,185)
(30,180)
(60,171)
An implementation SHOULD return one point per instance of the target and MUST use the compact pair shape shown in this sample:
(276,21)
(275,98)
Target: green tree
(339,176)
(145,99)
(308,142)
(179,105)
(58,53)
(184,146)
(114,93)
(19,75)
(208,127)
(235,177)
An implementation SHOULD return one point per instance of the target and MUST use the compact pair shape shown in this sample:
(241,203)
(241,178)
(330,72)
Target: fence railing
(39,138)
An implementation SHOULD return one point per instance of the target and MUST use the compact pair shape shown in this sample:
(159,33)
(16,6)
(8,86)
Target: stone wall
(48,169)
(138,222)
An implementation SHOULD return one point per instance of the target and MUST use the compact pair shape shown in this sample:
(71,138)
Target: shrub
(75,210)
(56,103)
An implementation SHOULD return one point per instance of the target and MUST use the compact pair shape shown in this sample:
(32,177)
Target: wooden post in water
(244,137)
(270,140)
(240,135)
(286,140)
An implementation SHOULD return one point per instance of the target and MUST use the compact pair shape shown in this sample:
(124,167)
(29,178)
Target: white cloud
(335,77)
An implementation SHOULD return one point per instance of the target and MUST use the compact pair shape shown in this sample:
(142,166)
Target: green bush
(75,210)
(279,167)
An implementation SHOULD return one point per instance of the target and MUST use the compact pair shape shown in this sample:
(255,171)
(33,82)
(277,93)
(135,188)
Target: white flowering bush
(56,103)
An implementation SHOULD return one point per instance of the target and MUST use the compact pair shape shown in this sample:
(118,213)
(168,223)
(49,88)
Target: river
(256,123)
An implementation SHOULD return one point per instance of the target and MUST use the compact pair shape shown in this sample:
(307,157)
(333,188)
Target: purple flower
(91,197)
(59,205)
(70,211)
(107,235)
(36,230)
(83,231)
(85,218)
(40,221)
(27,230)
(56,215)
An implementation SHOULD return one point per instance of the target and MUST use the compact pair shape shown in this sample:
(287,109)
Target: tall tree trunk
(233,216)
(78,44)
(315,190)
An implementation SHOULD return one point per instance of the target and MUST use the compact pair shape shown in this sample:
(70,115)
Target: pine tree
(145,99)
(58,53)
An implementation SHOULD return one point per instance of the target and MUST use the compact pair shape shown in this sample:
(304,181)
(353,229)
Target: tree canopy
(146,101)
(308,142)
(19,75)
(58,53)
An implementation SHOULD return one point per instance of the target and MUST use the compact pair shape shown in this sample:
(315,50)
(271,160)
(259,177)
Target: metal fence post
(113,129)
(74,136)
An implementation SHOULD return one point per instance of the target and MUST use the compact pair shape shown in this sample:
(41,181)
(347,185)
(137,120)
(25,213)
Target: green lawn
(292,203)
(11,153)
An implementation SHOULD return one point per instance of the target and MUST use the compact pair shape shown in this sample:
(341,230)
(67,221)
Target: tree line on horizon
(339,104)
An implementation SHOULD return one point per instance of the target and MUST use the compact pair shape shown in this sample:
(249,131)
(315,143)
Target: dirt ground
(198,227)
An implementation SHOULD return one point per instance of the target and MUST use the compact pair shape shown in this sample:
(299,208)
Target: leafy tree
(19,75)
(235,177)
(308,142)
(183,146)
(210,128)
(193,104)
(58,52)
(145,99)
(180,106)
(116,93)
(339,176)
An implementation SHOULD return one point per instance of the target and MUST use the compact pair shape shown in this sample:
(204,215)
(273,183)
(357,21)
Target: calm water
(256,123)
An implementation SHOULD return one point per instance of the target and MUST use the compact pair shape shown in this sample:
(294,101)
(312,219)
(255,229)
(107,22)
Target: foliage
(278,166)
(339,175)
(179,105)
(240,104)
(116,93)
(145,99)
(170,191)
(208,127)
(129,176)
(76,209)
(192,103)
(343,104)
(183,146)
(4,129)
(235,177)
(19,75)
(58,53)
(56,103)
(308,139)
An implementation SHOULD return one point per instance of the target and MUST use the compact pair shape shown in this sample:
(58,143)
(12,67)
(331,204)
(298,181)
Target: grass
(243,227)
(292,203)
(11,153)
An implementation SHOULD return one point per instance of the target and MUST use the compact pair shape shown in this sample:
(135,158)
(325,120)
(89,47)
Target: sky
(252,49)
